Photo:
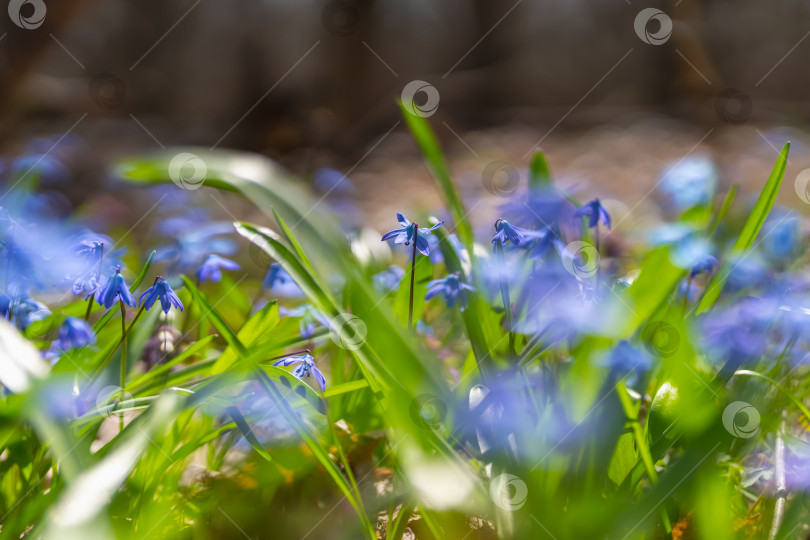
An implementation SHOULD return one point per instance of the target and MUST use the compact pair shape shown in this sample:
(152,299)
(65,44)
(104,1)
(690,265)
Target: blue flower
(164,292)
(115,289)
(705,265)
(627,362)
(282,283)
(506,232)
(89,254)
(690,182)
(304,366)
(407,233)
(595,213)
(310,318)
(388,280)
(211,268)
(74,333)
(23,311)
(451,288)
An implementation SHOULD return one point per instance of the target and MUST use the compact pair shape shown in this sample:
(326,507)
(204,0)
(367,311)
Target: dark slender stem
(413,274)
(106,361)
(302,351)
(89,307)
(598,254)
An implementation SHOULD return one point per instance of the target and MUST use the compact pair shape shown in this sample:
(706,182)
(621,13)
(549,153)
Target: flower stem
(294,353)
(123,377)
(89,307)
(106,361)
(507,303)
(413,274)
(781,484)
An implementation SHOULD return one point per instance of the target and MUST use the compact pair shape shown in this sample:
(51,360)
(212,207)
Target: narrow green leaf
(539,171)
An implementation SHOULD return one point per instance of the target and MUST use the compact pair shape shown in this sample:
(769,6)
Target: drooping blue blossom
(304,366)
(688,245)
(212,266)
(690,182)
(74,333)
(543,207)
(517,236)
(310,319)
(595,213)
(115,289)
(451,288)
(280,282)
(780,236)
(86,281)
(705,265)
(22,311)
(388,280)
(407,233)
(160,290)
(544,240)
(195,237)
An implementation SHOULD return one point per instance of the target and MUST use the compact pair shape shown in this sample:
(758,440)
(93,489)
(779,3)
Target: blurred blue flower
(304,366)
(115,289)
(194,239)
(544,207)
(90,254)
(44,168)
(595,213)
(545,239)
(22,311)
(163,291)
(688,245)
(740,330)
(451,289)
(689,182)
(705,265)
(627,362)
(280,282)
(310,318)
(780,237)
(212,266)
(406,234)
(74,333)
(388,280)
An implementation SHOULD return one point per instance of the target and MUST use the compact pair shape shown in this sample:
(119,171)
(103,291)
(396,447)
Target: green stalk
(89,307)
(507,303)
(123,377)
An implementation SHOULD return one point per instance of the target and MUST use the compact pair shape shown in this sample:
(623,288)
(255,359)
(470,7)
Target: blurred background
(613,92)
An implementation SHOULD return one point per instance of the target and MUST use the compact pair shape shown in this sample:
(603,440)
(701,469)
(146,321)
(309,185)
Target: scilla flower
(451,288)
(506,232)
(115,289)
(212,266)
(408,233)
(164,292)
(704,265)
(89,254)
(595,213)
(74,333)
(304,366)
